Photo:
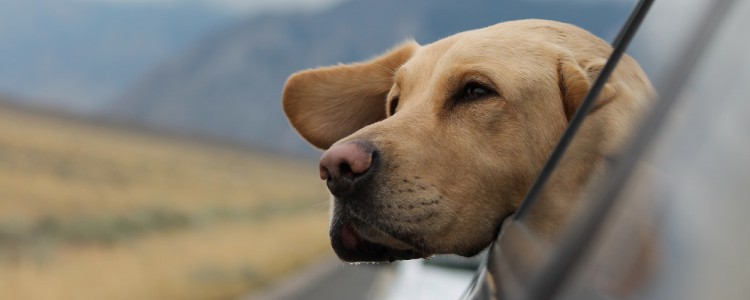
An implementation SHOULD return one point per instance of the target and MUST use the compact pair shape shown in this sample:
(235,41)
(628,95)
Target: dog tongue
(349,237)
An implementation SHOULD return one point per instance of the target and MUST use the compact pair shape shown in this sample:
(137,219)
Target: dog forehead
(515,56)
(435,60)
(501,58)
(504,45)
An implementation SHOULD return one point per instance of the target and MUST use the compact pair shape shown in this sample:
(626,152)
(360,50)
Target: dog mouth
(356,241)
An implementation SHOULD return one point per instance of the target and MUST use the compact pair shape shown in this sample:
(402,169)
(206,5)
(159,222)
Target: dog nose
(342,166)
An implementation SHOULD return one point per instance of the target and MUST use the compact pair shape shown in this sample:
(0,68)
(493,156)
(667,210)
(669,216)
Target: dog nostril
(344,166)
(324,174)
(346,170)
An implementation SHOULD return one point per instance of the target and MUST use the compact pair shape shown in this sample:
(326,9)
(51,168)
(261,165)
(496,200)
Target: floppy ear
(329,103)
(576,80)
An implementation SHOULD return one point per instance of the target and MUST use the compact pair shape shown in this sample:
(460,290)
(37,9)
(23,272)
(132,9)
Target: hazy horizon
(78,55)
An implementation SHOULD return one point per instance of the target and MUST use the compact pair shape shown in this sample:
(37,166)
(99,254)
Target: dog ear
(576,80)
(327,104)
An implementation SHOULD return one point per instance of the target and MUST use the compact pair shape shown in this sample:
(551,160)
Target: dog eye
(393,106)
(474,91)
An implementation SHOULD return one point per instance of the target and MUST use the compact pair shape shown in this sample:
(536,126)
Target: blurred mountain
(228,86)
(76,55)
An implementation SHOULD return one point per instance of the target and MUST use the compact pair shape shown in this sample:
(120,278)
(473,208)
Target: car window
(519,253)
(625,262)
(689,188)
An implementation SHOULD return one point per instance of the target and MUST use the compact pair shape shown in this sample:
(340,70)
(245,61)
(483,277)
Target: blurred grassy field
(95,212)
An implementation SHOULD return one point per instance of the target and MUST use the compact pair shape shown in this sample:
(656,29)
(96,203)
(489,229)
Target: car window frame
(550,276)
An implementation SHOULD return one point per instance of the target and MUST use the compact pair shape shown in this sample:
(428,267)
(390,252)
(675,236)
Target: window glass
(613,267)
(678,231)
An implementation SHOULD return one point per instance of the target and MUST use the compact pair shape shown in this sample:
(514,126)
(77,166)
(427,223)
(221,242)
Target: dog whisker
(449,208)
(320,204)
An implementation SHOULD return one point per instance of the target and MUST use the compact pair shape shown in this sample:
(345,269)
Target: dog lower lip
(349,237)
(377,235)
(350,246)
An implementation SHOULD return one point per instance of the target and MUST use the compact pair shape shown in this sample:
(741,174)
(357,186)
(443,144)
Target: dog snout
(344,166)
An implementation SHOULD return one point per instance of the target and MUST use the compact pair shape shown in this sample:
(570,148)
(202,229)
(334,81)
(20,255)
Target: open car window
(681,163)
(688,183)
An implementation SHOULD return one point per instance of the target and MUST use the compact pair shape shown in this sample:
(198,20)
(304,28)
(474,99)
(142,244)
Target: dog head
(430,147)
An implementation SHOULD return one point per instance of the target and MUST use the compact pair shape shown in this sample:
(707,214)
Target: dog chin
(354,241)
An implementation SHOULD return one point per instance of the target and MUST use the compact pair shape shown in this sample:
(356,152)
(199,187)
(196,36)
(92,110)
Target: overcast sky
(238,6)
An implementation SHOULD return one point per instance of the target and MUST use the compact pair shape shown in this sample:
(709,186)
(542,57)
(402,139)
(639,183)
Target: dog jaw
(356,241)
(397,218)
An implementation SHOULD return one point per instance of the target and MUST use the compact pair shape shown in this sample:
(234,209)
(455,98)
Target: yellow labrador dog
(430,147)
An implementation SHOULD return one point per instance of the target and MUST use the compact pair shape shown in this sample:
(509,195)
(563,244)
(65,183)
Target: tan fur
(331,103)
(474,159)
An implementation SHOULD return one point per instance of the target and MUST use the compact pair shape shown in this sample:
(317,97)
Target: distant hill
(229,85)
(76,55)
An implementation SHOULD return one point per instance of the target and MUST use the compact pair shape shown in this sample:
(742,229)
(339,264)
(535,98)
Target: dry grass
(209,263)
(91,212)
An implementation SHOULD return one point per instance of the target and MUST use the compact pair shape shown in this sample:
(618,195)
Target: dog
(430,147)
